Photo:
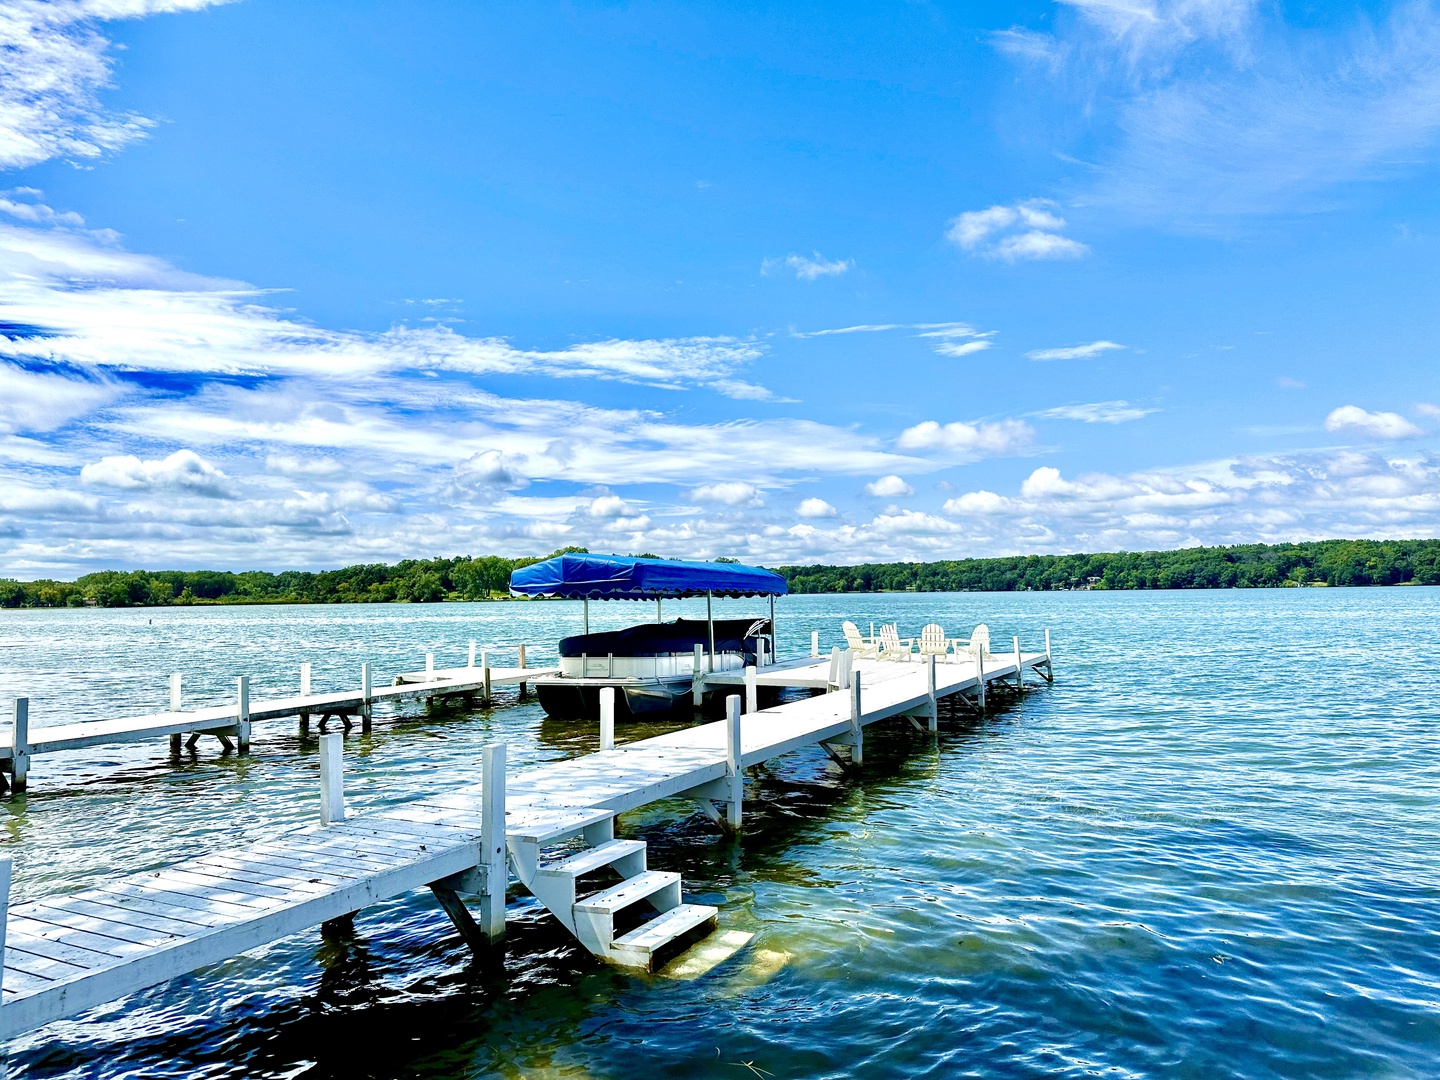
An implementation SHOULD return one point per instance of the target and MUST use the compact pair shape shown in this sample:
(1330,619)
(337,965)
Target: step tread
(591,859)
(666,927)
(628,892)
(556,826)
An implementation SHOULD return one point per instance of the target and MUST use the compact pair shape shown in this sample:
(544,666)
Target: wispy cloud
(1097,412)
(1025,230)
(56,64)
(808,269)
(1074,352)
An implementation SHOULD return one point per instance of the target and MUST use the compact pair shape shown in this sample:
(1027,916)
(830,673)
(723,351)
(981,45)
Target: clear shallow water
(1209,850)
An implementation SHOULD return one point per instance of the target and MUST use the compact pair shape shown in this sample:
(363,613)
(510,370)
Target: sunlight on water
(1209,850)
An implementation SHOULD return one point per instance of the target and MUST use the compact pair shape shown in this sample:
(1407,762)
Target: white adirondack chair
(858,646)
(933,641)
(892,646)
(980,642)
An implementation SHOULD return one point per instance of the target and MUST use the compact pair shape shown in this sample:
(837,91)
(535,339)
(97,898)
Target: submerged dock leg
(934,722)
(453,906)
(492,842)
(485,675)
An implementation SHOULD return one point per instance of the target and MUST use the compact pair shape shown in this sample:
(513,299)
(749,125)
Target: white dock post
(734,763)
(835,680)
(1019,668)
(492,841)
(305,679)
(847,666)
(429,667)
(1049,664)
(607,718)
(5,869)
(934,703)
(759,652)
(365,691)
(485,674)
(175,708)
(521,652)
(814,642)
(697,678)
(752,691)
(20,746)
(332,778)
(242,713)
(471,662)
(980,673)
(857,729)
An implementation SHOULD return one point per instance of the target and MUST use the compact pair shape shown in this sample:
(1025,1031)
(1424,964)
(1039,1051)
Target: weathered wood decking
(65,954)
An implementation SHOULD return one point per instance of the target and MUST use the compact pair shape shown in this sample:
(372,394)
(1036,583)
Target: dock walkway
(234,720)
(66,954)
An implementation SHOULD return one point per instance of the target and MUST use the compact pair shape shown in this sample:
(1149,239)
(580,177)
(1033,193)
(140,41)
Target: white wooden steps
(609,920)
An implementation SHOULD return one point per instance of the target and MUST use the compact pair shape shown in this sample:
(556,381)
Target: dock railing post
(304,693)
(697,677)
(980,673)
(20,746)
(470,663)
(492,841)
(332,778)
(752,690)
(857,729)
(242,713)
(833,680)
(175,708)
(934,703)
(1049,665)
(429,667)
(521,653)
(1019,668)
(814,643)
(734,763)
(607,718)
(365,693)
(485,675)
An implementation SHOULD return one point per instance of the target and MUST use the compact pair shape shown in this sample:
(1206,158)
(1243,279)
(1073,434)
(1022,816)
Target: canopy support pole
(710,622)
(585,612)
(659,615)
(773,640)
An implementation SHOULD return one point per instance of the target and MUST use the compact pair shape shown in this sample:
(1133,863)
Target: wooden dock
(232,721)
(65,954)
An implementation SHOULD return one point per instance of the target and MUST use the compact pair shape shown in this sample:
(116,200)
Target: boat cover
(620,577)
(665,639)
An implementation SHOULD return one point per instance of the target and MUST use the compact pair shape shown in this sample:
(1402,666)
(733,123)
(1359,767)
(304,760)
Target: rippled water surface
(1210,849)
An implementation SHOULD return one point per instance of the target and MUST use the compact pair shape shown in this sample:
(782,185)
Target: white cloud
(1376,425)
(294,465)
(489,471)
(816,508)
(609,506)
(1074,352)
(184,470)
(889,487)
(55,67)
(1025,230)
(43,400)
(1426,409)
(730,493)
(808,269)
(969,441)
(1097,412)
(976,502)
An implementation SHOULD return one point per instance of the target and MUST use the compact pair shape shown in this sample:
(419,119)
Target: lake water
(1210,849)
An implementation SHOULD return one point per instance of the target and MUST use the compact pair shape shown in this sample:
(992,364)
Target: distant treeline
(414,580)
(1247,566)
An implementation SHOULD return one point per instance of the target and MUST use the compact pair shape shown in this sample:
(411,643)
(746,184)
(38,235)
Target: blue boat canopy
(618,577)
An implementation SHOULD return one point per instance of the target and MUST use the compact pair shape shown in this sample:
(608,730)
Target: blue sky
(297,285)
